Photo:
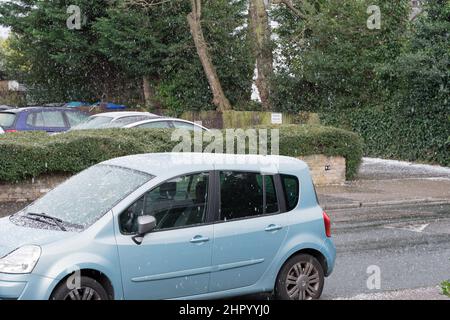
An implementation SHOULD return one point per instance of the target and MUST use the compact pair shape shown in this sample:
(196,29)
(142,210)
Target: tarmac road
(409,244)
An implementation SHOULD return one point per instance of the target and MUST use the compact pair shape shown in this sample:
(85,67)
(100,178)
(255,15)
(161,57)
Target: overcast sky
(3,31)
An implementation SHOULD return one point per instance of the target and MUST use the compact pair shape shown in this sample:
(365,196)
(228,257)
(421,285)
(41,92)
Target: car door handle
(199,239)
(273,227)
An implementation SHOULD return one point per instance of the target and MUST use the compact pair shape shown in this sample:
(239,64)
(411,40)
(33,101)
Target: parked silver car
(113,119)
(142,120)
(166,123)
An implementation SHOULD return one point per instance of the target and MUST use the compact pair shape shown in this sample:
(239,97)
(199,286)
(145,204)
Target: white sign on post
(277,118)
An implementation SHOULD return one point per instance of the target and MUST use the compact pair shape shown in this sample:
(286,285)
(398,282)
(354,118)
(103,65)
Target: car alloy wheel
(303,281)
(89,289)
(84,293)
(301,278)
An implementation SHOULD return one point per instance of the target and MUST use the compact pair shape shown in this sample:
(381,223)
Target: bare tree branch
(146,4)
(290,6)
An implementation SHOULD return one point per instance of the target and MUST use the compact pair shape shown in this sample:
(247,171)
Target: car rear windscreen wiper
(37,216)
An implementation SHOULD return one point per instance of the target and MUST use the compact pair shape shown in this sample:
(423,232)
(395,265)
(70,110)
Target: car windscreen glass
(94,123)
(154,125)
(122,122)
(86,197)
(7,119)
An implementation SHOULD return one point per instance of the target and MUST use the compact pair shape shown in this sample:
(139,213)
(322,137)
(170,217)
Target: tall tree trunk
(147,91)
(262,48)
(149,94)
(194,19)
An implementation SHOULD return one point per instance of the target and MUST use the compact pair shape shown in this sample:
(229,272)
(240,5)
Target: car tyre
(300,278)
(89,289)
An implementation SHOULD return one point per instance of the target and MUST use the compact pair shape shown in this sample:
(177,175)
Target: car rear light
(10,131)
(327,222)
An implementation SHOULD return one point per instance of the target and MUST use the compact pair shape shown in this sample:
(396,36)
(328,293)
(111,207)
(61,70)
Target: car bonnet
(13,236)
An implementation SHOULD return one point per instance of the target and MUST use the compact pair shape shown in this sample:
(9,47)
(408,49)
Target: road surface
(409,244)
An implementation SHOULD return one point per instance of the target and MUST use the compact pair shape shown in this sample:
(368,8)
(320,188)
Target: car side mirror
(146,224)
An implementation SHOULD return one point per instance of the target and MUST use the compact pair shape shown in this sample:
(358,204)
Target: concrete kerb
(357,204)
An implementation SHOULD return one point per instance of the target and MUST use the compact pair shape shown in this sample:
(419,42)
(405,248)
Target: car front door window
(178,203)
(174,260)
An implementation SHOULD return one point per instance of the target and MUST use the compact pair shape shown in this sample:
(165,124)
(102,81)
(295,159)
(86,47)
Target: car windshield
(94,123)
(7,119)
(122,122)
(86,197)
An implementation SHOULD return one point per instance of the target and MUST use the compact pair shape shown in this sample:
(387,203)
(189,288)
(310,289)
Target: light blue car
(171,226)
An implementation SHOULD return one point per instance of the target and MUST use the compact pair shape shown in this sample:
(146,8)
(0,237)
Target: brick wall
(29,190)
(326,170)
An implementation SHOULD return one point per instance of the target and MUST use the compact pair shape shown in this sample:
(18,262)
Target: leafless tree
(194,20)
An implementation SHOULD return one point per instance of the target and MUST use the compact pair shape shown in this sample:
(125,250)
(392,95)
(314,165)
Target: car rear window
(291,188)
(7,119)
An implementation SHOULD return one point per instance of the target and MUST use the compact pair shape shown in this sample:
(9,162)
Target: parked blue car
(154,227)
(49,119)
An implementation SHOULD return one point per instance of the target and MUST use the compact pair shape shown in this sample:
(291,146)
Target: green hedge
(411,136)
(24,155)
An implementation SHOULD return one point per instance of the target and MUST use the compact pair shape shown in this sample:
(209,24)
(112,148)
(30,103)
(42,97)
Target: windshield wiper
(57,222)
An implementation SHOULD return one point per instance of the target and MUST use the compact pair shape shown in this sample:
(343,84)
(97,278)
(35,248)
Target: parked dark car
(49,119)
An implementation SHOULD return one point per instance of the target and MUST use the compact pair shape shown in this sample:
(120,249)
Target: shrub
(446,288)
(25,154)
(411,136)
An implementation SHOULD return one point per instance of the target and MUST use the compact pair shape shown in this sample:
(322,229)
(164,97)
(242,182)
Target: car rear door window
(38,119)
(246,194)
(291,187)
(178,203)
(30,119)
(35,119)
(54,119)
(7,119)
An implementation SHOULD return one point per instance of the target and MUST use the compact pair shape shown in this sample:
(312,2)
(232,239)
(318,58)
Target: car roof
(157,119)
(121,114)
(25,109)
(174,164)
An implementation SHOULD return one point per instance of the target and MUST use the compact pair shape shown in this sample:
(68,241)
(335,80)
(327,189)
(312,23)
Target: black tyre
(300,278)
(89,289)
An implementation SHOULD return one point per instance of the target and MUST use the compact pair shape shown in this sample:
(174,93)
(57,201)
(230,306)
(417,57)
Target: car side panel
(94,249)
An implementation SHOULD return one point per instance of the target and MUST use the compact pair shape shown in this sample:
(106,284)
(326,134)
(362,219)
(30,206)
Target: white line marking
(412,227)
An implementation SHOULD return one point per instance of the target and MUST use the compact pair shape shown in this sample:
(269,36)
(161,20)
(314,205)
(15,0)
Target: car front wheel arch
(96,275)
